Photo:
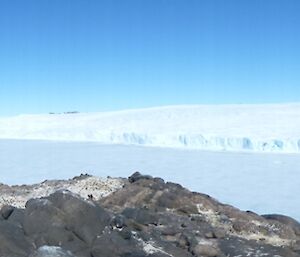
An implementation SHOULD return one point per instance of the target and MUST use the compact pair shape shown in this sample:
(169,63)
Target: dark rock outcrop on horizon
(147,217)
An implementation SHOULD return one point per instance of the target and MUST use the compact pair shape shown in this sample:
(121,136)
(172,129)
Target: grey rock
(137,176)
(6,211)
(13,242)
(147,217)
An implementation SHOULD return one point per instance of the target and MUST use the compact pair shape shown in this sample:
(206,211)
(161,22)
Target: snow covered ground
(262,182)
(271,128)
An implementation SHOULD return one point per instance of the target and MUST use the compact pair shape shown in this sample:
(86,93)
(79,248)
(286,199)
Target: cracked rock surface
(141,216)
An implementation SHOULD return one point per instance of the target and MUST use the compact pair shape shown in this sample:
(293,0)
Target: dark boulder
(64,219)
(113,244)
(288,221)
(86,219)
(13,242)
(6,211)
(138,176)
(17,217)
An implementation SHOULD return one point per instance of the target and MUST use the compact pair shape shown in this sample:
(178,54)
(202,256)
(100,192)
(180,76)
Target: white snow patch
(53,251)
(150,248)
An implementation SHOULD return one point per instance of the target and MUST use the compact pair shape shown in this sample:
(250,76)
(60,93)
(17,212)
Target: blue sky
(97,55)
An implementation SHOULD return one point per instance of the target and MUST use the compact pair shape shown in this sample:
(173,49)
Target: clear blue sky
(96,55)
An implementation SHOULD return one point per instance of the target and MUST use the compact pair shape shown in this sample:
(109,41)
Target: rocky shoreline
(135,217)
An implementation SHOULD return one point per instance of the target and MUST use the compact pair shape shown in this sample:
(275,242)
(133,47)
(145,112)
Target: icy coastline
(259,128)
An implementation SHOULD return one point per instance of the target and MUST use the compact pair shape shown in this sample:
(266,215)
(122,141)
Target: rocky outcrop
(145,217)
(83,185)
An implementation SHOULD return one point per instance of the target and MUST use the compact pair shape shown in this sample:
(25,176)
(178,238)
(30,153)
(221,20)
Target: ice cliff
(267,128)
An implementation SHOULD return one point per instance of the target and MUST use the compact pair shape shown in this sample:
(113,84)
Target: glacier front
(260,128)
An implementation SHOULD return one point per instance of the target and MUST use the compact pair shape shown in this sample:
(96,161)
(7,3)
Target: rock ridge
(136,217)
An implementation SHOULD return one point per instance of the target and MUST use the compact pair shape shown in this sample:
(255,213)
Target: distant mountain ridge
(263,127)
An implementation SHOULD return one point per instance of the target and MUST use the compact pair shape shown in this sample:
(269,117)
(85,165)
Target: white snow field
(261,182)
(244,166)
(271,128)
